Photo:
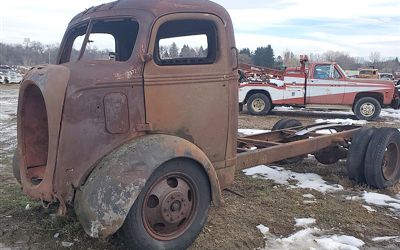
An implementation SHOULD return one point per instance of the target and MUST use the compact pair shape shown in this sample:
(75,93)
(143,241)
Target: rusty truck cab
(137,84)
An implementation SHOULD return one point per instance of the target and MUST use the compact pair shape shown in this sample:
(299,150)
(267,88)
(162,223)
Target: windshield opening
(108,40)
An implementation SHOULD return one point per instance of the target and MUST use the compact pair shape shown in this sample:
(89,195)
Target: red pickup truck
(315,85)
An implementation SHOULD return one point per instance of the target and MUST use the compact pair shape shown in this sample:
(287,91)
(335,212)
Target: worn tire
(367,108)
(356,154)
(259,104)
(15,166)
(288,123)
(139,236)
(382,160)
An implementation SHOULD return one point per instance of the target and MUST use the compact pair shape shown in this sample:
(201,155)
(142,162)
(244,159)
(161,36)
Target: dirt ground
(24,224)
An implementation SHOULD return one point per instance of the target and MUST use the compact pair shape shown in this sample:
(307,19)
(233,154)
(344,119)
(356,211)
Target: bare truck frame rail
(282,144)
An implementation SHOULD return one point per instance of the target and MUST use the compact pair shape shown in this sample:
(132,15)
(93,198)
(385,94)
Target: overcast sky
(358,27)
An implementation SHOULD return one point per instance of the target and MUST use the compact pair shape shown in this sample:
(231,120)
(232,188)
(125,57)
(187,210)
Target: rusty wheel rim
(169,206)
(390,162)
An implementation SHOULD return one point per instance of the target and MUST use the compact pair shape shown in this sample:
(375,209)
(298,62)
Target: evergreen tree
(264,56)
(173,51)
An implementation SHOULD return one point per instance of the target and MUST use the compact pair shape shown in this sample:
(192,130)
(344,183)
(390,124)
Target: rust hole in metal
(35,134)
(153,201)
(172,182)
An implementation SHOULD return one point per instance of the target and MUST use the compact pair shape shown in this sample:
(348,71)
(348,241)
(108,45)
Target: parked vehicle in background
(315,85)
(8,75)
(369,73)
(386,76)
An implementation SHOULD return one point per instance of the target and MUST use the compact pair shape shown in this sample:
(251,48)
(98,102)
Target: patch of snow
(342,121)
(304,222)
(312,238)
(309,196)
(283,176)
(263,229)
(309,202)
(353,198)
(284,108)
(252,131)
(381,200)
(370,209)
(385,238)
(67,244)
(391,113)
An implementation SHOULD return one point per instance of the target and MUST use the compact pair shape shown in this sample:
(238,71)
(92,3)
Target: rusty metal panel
(116,113)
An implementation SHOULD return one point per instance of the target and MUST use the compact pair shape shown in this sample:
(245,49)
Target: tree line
(33,53)
(264,56)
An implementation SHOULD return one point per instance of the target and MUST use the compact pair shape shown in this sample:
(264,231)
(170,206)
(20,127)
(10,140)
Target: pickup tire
(356,154)
(283,124)
(172,208)
(367,108)
(382,160)
(259,104)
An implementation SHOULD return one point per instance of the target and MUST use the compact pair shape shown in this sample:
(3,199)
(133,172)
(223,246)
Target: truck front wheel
(367,108)
(171,210)
(259,104)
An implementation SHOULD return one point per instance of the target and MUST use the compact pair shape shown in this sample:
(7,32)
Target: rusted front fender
(104,201)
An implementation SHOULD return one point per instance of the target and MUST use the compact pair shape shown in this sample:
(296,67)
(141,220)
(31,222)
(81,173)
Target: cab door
(325,85)
(186,82)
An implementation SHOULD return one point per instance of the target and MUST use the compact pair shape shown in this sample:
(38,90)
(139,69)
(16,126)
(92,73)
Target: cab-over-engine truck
(141,142)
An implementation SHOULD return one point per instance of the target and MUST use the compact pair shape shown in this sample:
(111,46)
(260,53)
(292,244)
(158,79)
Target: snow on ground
(304,222)
(252,131)
(310,238)
(342,121)
(386,238)
(8,120)
(369,209)
(283,176)
(382,200)
(385,113)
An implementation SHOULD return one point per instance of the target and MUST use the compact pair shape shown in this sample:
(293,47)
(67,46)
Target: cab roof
(156,7)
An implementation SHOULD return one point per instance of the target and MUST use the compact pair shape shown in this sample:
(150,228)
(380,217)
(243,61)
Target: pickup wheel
(283,124)
(367,108)
(171,210)
(259,104)
(382,160)
(15,165)
(356,154)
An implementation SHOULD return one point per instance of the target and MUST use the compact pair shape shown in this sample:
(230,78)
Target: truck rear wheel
(284,124)
(171,210)
(382,160)
(356,154)
(367,108)
(259,104)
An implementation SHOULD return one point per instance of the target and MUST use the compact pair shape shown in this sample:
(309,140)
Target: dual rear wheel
(374,157)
